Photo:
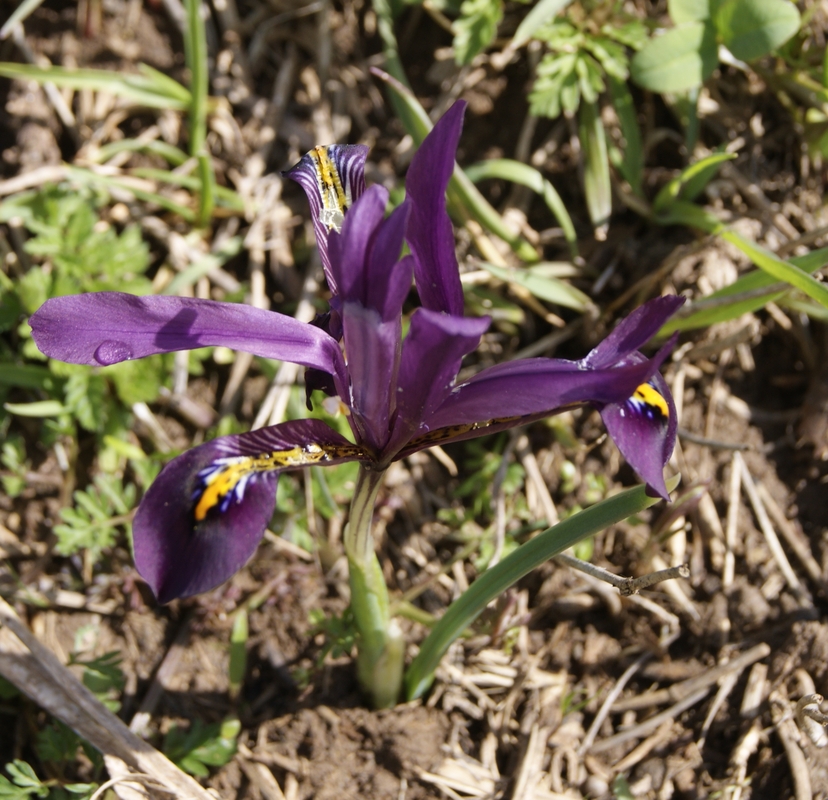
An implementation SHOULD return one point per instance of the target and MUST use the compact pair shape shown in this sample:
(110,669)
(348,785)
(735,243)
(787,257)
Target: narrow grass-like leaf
(506,573)
(238,652)
(509,170)
(690,182)
(544,11)
(88,177)
(680,212)
(25,376)
(632,161)
(462,193)
(18,15)
(544,287)
(802,306)
(777,268)
(170,153)
(748,293)
(209,262)
(597,186)
(228,198)
(195,46)
(678,60)
(145,89)
(40,408)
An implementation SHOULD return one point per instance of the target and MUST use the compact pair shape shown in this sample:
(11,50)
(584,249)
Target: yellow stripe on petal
(649,401)
(335,196)
(226,478)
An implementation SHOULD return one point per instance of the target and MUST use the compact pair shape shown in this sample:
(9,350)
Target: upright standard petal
(108,327)
(204,515)
(431,356)
(349,250)
(372,348)
(644,429)
(429,234)
(333,178)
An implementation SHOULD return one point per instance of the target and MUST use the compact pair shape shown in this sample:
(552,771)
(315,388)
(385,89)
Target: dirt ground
(687,690)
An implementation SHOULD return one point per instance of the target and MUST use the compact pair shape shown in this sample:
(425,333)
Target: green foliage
(13,458)
(578,61)
(93,522)
(678,60)
(685,56)
(200,746)
(57,743)
(23,784)
(340,634)
(103,677)
(82,254)
(751,29)
(476,27)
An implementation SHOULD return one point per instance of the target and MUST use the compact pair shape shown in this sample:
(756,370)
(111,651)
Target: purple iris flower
(205,514)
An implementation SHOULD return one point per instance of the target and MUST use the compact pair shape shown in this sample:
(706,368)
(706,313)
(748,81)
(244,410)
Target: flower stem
(381,648)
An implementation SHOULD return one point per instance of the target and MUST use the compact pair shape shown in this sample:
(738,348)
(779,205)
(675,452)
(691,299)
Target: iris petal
(644,429)
(104,328)
(333,178)
(205,514)
(429,234)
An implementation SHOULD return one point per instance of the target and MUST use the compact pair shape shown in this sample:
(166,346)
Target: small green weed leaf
(24,782)
(201,746)
(682,11)
(476,28)
(542,12)
(137,381)
(57,743)
(85,396)
(678,60)
(544,287)
(751,29)
(690,182)
(84,791)
(92,523)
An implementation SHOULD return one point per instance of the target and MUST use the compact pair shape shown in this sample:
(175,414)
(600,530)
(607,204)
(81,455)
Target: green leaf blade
(678,60)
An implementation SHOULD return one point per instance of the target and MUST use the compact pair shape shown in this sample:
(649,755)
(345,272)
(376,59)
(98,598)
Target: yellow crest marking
(335,200)
(651,399)
(228,477)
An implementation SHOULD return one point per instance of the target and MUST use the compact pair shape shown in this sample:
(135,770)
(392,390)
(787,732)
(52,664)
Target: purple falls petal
(372,348)
(644,429)
(633,332)
(205,514)
(537,385)
(107,327)
(333,178)
(431,356)
(430,235)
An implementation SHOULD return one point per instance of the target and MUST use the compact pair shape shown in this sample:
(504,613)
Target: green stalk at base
(380,644)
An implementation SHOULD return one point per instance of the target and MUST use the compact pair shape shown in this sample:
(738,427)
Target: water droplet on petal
(110,352)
